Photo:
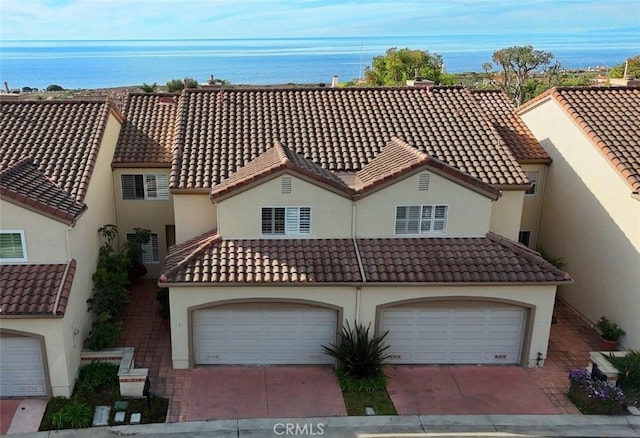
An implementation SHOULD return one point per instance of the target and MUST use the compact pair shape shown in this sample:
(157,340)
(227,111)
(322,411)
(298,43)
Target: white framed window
(421,219)
(149,252)
(145,186)
(13,247)
(533,176)
(286,220)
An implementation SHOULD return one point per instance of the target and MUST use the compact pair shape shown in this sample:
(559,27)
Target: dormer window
(286,221)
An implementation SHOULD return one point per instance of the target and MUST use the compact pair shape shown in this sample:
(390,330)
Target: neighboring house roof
(62,139)
(36,290)
(24,185)
(209,259)
(273,162)
(339,129)
(512,129)
(147,134)
(609,117)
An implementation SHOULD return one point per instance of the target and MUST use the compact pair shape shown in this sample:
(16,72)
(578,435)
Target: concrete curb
(413,426)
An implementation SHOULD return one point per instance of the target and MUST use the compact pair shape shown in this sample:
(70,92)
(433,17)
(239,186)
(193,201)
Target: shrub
(609,329)
(178,84)
(96,375)
(149,88)
(72,416)
(629,367)
(359,357)
(105,332)
(594,396)
(371,384)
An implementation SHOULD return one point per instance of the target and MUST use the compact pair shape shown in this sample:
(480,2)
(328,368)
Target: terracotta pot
(607,345)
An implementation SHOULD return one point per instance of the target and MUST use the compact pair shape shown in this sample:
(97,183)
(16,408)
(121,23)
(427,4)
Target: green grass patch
(360,393)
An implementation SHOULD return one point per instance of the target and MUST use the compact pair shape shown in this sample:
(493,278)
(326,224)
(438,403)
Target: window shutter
(128,187)
(286,185)
(440,218)
(162,186)
(292,225)
(267,220)
(279,220)
(305,220)
(423,183)
(533,176)
(151,188)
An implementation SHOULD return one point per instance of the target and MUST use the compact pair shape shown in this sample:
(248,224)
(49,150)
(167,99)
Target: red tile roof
(37,290)
(610,118)
(339,129)
(490,259)
(399,158)
(275,161)
(62,139)
(147,135)
(24,185)
(515,133)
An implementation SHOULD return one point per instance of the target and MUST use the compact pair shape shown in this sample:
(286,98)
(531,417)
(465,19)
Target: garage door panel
(21,368)
(454,335)
(246,335)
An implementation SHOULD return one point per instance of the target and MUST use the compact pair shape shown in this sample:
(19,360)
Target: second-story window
(147,186)
(420,219)
(533,176)
(286,220)
(12,246)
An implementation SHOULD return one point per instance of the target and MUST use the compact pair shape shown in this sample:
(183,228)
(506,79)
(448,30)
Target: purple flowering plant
(594,396)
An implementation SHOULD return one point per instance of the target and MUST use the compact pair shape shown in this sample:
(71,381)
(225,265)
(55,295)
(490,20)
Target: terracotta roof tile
(147,134)
(41,290)
(515,133)
(610,118)
(273,161)
(399,158)
(62,138)
(339,129)
(490,259)
(24,185)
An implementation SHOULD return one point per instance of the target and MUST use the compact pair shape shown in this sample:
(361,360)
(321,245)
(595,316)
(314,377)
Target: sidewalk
(413,426)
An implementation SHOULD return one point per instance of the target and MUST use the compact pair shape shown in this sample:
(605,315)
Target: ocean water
(112,63)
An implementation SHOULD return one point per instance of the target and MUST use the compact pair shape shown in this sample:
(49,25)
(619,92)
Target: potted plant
(610,333)
(162,296)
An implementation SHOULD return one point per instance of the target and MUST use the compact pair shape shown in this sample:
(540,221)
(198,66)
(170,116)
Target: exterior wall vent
(286,185)
(423,183)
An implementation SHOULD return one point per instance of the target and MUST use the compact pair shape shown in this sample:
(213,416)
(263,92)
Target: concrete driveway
(225,392)
(465,390)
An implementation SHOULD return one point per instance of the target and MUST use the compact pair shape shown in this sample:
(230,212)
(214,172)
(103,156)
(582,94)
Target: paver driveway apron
(224,392)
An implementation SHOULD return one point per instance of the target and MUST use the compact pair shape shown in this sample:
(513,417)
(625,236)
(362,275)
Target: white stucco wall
(532,204)
(506,214)
(240,216)
(468,214)
(194,214)
(360,304)
(590,219)
(153,215)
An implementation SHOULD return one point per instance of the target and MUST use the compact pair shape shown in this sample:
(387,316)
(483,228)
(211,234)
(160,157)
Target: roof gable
(339,129)
(24,185)
(62,139)
(273,162)
(399,159)
(610,118)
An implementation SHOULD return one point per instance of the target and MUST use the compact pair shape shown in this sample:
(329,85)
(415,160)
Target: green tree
(396,66)
(149,88)
(178,84)
(519,64)
(633,70)
(54,87)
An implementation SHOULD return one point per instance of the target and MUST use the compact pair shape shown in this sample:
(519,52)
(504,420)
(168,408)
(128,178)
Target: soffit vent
(423,184)
(286,185)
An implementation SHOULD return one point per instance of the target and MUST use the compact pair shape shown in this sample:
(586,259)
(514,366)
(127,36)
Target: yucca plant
(359,356)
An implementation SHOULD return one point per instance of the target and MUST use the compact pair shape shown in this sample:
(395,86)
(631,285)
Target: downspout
(68,242)
(59,293)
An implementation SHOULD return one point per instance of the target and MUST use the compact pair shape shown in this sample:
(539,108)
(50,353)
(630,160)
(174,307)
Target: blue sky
(153,19)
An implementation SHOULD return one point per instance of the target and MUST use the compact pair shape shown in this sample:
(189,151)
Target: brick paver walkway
(569,345)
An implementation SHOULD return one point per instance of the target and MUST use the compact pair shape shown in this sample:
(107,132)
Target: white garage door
(263,334)
(454,335)
(21,368)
